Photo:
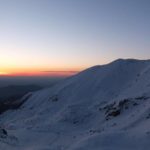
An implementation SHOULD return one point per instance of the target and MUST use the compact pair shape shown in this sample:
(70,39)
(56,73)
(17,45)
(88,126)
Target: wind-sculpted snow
(102,108)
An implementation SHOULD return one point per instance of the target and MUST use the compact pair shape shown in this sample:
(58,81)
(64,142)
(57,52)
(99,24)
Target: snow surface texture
(102,108)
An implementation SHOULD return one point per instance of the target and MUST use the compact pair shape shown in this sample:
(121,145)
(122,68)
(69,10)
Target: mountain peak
(130,60)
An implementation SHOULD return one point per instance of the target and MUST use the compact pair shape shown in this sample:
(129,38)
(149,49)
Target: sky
(44,37)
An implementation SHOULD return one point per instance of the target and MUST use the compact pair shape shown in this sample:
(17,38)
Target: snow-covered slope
(104,107)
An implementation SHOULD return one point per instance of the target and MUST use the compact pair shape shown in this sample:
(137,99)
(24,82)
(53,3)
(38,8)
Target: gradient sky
(38,36)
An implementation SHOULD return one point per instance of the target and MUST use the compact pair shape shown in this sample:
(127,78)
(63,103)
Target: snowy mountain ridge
(104,107)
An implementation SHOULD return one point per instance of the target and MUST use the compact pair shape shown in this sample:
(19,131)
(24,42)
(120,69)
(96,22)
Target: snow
(80,112)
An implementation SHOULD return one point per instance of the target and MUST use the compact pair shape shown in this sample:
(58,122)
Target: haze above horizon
(62,37)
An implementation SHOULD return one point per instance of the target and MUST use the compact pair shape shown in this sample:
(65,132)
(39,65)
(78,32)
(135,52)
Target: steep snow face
(104,107)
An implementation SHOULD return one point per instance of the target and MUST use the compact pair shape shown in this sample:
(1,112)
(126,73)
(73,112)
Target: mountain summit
(105,107)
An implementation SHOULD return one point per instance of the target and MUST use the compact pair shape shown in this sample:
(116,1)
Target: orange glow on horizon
(3,73)
(39,73)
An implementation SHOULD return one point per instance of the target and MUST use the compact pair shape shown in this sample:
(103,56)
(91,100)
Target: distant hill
(16,91)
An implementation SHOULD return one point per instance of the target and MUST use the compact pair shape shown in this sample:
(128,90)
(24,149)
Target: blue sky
(72,34)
